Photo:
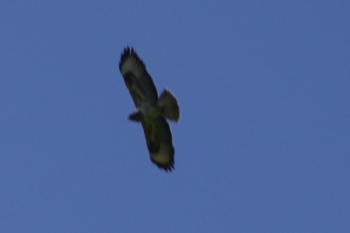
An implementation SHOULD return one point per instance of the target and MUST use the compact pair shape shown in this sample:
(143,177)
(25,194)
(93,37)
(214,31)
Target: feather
(168,103)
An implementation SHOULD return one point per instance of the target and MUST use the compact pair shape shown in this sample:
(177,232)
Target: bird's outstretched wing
(137,79)
(159,143)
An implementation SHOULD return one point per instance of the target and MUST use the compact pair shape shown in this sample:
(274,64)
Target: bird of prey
(151,110)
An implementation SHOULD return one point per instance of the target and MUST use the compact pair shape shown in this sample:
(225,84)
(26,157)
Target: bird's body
(151,111)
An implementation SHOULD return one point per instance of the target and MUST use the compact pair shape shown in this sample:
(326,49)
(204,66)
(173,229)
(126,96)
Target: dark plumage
(151,111)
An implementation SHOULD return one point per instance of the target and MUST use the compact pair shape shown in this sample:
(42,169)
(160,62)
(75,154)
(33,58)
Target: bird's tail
(169,105)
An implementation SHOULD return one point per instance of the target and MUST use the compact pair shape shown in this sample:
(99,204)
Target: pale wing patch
(132,65)
(164,156)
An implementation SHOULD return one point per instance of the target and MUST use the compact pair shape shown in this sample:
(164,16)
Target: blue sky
(263,142)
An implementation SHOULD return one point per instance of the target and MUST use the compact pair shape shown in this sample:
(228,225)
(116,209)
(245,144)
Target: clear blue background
(264,140)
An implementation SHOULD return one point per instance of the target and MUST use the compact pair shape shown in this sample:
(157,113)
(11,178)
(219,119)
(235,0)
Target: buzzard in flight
(151,110)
